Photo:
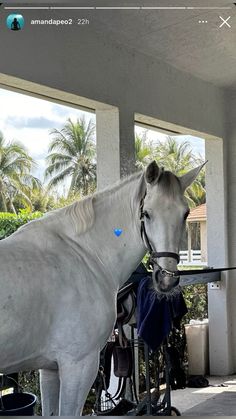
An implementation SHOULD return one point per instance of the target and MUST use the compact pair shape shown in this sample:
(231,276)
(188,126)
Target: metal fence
(192,257)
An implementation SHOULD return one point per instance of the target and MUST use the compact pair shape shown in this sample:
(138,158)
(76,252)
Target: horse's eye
(146,215)
(186,215)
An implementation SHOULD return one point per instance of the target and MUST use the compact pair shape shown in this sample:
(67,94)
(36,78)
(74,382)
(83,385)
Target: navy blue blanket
(157,313)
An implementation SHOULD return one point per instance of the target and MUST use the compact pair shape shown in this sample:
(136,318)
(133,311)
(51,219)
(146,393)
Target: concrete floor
(214,400)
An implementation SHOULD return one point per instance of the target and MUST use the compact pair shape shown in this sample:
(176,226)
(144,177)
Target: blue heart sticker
(118,232)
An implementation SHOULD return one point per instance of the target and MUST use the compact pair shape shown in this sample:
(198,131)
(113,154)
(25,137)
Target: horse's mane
(82,213)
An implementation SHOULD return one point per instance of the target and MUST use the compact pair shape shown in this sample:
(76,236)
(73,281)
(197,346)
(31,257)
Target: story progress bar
(115,8)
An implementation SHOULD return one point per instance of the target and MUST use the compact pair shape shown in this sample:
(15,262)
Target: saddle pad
(157,312)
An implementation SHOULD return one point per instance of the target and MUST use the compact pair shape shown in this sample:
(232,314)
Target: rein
(155,255)
(204,271)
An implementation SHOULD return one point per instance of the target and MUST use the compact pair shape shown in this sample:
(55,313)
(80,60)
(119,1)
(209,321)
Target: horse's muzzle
(164,282)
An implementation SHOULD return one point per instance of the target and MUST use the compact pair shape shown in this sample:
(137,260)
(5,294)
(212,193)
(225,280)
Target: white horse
(59,278)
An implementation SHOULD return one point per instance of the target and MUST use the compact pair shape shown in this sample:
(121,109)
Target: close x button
(225,22)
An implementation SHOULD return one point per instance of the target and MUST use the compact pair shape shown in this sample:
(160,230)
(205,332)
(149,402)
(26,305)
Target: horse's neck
(119,209)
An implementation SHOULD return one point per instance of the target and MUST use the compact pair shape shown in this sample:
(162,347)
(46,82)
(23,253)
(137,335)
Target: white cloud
(30,120)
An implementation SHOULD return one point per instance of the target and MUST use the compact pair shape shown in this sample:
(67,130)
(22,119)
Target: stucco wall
(231,208)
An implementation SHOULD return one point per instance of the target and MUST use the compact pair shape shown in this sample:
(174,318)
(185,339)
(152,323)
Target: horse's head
(164,211)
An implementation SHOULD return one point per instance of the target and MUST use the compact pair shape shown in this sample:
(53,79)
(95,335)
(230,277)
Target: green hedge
(11,222)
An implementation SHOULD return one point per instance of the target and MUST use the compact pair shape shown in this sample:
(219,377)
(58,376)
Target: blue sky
(30,120)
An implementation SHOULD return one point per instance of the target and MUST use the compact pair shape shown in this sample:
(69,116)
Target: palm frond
(60,177)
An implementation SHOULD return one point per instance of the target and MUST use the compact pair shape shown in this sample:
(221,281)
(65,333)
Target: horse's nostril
(165,281)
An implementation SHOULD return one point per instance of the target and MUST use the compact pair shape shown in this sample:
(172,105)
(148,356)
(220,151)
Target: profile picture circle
(15,22)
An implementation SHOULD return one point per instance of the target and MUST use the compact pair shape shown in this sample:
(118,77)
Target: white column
(218,304)
(231,206)
(115,145)
(108,146)
(127,143)
(203,240)
(189,241)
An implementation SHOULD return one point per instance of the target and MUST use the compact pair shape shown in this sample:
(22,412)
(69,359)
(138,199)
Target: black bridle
(155,255)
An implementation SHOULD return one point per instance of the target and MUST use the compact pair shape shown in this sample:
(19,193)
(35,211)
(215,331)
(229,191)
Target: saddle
(126,298)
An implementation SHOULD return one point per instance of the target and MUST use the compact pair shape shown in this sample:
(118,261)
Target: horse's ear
(152,173)
(187,179)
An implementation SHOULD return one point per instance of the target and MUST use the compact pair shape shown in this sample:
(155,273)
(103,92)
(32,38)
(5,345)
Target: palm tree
(197,192)
(72,155)
(179,159)
(144,150)
(15,178)
(42,200)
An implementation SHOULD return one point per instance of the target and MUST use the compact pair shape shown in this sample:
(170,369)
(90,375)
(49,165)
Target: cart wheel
(174,411)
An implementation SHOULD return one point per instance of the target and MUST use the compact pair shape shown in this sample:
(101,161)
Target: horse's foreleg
(76,378)
(50,387)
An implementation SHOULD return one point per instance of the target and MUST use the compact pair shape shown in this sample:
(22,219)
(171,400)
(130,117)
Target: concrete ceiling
(176,36)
